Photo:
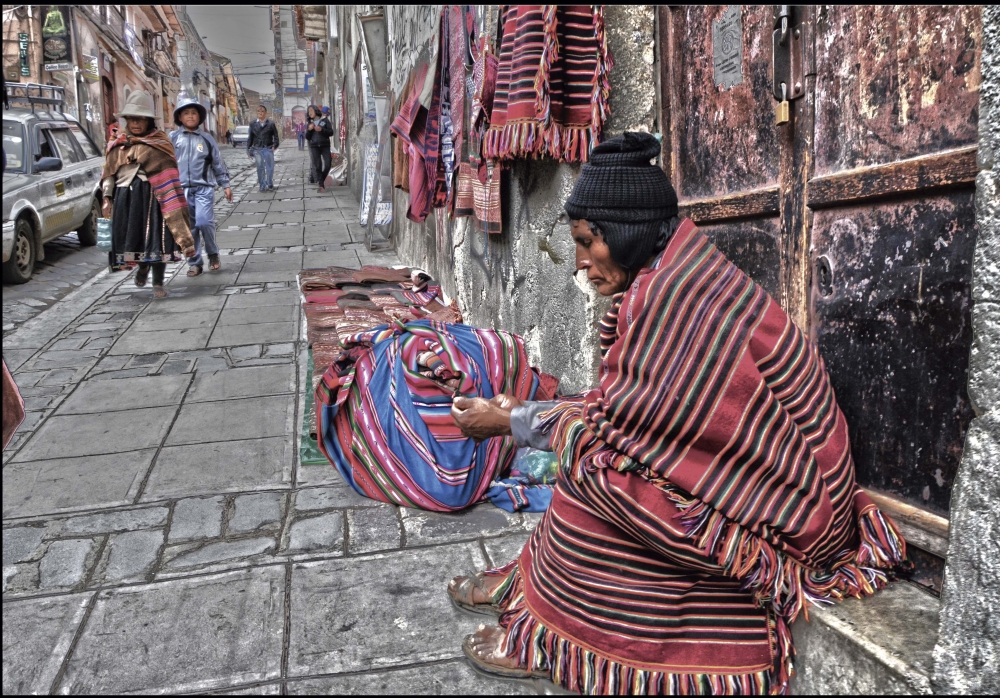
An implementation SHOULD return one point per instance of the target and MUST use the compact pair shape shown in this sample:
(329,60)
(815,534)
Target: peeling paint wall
(525,282)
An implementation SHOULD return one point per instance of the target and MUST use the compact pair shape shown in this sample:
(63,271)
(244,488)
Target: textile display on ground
(682,542)
(552,84)
(384,411)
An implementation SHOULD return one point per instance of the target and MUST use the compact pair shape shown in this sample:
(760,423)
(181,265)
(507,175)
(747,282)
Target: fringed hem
(550,53)
(600,109)
(575,668)
(777,581)
(533,139)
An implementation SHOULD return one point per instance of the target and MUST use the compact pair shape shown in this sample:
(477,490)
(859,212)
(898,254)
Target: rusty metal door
(856,213)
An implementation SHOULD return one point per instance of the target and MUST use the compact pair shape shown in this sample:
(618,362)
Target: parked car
(240,136)
(51,186)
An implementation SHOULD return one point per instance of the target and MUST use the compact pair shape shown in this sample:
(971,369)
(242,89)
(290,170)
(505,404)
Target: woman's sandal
(195,270)
(465,589)
(141,274)
(159,291)
(214,264)
(505,672)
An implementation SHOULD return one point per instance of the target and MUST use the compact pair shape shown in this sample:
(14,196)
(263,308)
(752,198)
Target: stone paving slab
(92,434)
(133,393)
(259,314)
(265,332)
(236,466)
(175,321)
(36,638)
(454,677)
(182,636)
(136,342)
(256,381)
(232,420)
(67,484)
(336,605)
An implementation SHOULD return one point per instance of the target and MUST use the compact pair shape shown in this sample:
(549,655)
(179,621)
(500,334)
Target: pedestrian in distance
(261,144)
(320,129)
(229,136)
(143,196)
(300,134)
(201,170)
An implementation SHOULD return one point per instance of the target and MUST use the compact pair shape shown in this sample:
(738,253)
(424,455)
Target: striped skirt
(611,597)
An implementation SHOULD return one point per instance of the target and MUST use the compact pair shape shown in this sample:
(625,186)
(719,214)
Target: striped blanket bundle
(706,494)
(384,419)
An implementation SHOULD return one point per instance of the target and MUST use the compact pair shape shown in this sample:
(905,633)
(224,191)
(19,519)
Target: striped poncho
(706,493)
(384,419)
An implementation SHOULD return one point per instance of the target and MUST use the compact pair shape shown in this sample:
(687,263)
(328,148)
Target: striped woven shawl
(155,153)
(552,83)
(710,393)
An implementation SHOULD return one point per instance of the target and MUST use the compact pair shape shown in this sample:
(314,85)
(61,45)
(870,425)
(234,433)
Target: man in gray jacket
(201,170)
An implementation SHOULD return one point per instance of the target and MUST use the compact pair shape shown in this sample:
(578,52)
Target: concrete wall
(967,656)
(528,273)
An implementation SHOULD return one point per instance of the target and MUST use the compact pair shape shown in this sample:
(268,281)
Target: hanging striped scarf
(387,426)
(711,472)
(552,85)
(155,153)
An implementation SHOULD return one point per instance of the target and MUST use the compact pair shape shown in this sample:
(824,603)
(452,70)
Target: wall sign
(727,48)
(91,69)
(22,46)
(55,35)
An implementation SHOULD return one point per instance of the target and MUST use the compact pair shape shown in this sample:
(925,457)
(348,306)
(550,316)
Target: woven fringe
(600,109)
(578,669)
(777,581)
(550,52)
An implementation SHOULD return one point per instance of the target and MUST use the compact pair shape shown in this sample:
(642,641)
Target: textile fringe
(533,139)
(578,669)
(777,581)
(601,110)
(550,53)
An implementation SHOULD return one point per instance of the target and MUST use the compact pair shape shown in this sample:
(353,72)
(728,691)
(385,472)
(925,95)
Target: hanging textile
(552,83)
(384,411)
(370,187)
(417,128)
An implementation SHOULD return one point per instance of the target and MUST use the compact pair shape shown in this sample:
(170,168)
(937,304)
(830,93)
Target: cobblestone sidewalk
(159,532)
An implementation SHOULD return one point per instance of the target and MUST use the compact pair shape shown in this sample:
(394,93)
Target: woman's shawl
(712,393)
(155,153)
(386,425)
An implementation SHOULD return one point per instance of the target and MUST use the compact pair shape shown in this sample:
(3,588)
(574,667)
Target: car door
(77,185)
(55,208)
(92,156)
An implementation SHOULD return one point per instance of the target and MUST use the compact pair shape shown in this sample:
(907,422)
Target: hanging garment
(706,492)
(384,411)
(418,128)
(13,406)
(552,83)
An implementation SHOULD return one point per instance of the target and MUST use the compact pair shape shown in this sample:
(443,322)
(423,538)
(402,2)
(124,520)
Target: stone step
(883,644)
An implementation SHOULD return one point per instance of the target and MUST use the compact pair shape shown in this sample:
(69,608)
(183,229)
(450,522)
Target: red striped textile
(707,492)
(552,83)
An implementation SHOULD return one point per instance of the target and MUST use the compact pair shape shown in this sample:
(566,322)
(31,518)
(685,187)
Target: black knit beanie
(625,196)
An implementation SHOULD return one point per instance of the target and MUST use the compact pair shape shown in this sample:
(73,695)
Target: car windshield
(13,145)
(242,130)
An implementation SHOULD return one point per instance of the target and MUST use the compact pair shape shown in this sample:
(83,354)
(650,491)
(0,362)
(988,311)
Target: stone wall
(528,273)
(967,659)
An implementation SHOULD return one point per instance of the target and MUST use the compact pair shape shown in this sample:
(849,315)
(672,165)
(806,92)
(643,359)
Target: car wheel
(87,232)
(18,269)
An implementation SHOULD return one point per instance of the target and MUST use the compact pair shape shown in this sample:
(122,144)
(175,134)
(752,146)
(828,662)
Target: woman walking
(149,215)
(319,131)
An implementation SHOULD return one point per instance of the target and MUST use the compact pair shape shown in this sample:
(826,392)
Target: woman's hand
(229,194)
(106,208)
(481,419)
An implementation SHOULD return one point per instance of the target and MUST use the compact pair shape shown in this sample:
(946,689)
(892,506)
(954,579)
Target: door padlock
(782,113)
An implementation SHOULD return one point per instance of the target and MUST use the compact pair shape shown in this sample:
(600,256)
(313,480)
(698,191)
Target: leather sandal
(214,264)
(141,275)
(505,672)
(464,590)
(159,291)
(195,270)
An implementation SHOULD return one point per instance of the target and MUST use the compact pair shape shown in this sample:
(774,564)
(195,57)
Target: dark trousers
(320,156)
(159,271)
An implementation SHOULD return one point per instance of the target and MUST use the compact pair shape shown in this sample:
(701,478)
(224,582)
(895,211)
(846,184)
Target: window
(13,144)
(45,147)
(83,140)
(65,144)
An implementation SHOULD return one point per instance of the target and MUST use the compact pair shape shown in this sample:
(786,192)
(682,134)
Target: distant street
(67,266)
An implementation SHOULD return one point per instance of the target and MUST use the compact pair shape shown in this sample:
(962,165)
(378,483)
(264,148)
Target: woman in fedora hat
(143,196)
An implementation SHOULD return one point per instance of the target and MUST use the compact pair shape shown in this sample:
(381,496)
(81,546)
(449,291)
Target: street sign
(22,46)
(55,67)
(91,68)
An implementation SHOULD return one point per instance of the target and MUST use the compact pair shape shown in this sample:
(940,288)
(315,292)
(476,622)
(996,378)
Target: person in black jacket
(261,144)
(318,132)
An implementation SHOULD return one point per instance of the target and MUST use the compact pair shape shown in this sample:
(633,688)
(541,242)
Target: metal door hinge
(789,52)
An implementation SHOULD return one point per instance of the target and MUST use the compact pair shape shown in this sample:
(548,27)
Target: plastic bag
(535,467)
(104,233)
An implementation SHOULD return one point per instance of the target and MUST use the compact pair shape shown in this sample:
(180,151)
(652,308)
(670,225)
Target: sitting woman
(143,197)
(706,488)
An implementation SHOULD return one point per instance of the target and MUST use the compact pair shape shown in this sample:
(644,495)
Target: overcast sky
(242,34)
